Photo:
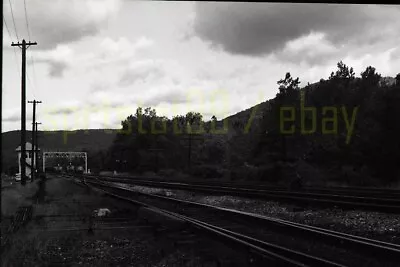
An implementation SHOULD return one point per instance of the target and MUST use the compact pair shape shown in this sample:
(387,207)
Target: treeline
(149,142)
(345,126)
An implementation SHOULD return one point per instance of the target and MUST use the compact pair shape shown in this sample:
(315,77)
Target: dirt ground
(62,231)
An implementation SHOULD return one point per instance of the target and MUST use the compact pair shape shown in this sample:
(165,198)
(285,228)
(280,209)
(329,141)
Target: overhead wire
(12,14)
(27,23)
(29,35)
(8,30)
(15,53)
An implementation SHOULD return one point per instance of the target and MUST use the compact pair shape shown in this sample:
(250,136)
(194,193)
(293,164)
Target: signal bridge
(64,155)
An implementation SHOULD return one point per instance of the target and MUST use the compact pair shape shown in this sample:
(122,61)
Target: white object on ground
(102,212)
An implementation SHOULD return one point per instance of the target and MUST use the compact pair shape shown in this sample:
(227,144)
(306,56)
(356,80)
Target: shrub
(269,173)
(167,172)
(207,171)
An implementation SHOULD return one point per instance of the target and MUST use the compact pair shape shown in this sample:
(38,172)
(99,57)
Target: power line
(15,53)
(5,23)
(33,66)
(27,23)
(12,14)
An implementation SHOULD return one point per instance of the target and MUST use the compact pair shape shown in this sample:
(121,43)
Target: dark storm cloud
(63,21)
(50,37)
(262,28)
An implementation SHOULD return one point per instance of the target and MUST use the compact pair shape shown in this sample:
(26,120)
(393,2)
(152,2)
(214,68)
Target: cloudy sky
(98,60)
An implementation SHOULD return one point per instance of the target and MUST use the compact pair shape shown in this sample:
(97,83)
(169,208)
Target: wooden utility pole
(24,45)
(37,143)
(33,153)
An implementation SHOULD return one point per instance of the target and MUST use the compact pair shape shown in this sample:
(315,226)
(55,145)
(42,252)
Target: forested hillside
(342,129)
(348,129)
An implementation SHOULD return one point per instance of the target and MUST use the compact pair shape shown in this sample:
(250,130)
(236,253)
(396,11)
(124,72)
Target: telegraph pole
(33,153)
(24,45)
(37,142)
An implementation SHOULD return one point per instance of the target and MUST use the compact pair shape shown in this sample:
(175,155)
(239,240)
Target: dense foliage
(356,124)
(346,126)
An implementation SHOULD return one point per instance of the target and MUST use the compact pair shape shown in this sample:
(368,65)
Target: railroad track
(251,231)
(354,191)
(321,197)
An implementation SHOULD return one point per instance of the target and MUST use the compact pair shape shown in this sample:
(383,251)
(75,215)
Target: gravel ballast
(381,226)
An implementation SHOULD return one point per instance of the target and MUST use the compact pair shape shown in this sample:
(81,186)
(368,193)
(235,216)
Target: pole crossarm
(20,45)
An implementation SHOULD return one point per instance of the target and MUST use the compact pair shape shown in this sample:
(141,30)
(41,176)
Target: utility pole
(24,45)
(37,142)
(33,153)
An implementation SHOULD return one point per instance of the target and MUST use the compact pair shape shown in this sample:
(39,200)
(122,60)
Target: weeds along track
(285,243)
(19,220)
(366,199)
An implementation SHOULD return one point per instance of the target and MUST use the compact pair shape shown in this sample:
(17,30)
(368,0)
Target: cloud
(109,53)
(66,108)
(118,51)
(171,97)
(395,54)
(14,115)
(54,22)
(56,69)
(59,60)
(255,29)
(144,70)
(309,49)
(63,110)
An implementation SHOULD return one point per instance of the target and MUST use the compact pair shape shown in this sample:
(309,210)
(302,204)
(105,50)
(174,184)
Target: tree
(193,119)
(398,79)
(288,84)
(343,72)
(370,76)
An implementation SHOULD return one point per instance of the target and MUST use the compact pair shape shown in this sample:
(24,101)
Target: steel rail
(284,255)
